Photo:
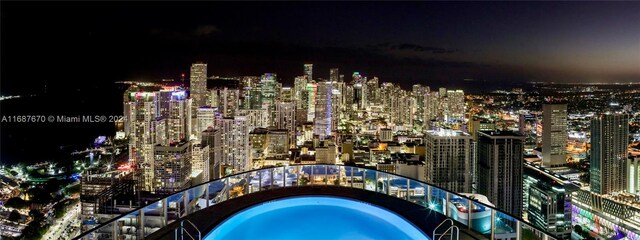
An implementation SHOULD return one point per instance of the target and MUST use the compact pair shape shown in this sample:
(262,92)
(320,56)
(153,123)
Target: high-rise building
(198,84)
(256,118)
(547,202)
(554,134)
(455,104)
(212,138)
(206,119)
(140,115)
(633,174)
(301,99)
(334,75)
(269,90)
(324,110)
(179,120)
(200,162)
(527,127)
(286,119)
(312,89)
(609,141)
(308,71)
(226,99)
(448,159)
(500,162)
(235,139)
(171,167)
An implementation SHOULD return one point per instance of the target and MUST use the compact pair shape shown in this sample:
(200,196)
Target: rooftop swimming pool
(315,217)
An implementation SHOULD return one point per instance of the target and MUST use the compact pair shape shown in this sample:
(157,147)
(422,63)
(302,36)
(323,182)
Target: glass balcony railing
(479,218)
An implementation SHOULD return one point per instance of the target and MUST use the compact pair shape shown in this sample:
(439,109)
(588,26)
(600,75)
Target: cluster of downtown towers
(222,126)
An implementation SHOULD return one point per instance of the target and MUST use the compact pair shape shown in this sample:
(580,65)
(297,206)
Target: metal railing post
(364,179)
(428,195)
(206,195)
(164,212)
(493,224)
(408,188)
(326,175)
(185,202)
(141,224)
(518,230)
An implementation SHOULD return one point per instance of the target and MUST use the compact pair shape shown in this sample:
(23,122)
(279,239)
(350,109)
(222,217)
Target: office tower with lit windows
(432,109)
(286,94)
(198,84)
(200,162)
(418,92)
(547,202)
(171,167)
(324,110)
(312,90)
(448,159)
(179,120)
(609,141)
(301,99)
(206,118)
(235,139)
(269,89)
(256,118)
(499,169)
(633,174)
(226,99)
(212,138)
(373,92)
(140,110)
(527,126)
(455,104)
(554,134)
(308,71)
(286,119)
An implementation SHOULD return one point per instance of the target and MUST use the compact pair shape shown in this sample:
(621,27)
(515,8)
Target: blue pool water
(319,218)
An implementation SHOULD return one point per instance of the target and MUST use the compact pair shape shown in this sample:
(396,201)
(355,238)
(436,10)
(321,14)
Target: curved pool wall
(165,215)
(315,217)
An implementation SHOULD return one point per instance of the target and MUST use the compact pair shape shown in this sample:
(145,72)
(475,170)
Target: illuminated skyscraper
(527,127)
(609,141)
(179,121)
(308,71)
(171,167)
(334,75)
(448,159)
(269,89)
(200,162)
(198,84)
(554,134)
(500,163)
(226,99)
(312,89)
(235,139)
(455,104)
(206,119)
(140,113)
(286,119)
(324,110)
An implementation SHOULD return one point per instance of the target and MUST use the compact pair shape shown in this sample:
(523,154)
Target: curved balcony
(422,204)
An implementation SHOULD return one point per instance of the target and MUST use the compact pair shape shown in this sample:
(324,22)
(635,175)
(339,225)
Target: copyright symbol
(102,119)
(51,118)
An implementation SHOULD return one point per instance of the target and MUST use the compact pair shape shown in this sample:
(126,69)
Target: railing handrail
(183,231)
(454,227)
(436,228)
(303,165)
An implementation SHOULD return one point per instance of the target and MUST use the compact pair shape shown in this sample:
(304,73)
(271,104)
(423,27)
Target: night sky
(435,43)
